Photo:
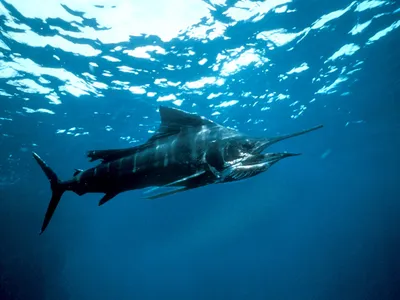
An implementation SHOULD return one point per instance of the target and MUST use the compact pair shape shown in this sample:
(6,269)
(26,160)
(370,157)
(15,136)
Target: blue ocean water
(81,75)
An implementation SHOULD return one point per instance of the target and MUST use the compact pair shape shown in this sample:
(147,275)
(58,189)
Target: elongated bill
(264,143)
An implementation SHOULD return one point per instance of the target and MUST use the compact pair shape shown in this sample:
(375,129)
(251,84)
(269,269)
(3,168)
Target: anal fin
(107,197)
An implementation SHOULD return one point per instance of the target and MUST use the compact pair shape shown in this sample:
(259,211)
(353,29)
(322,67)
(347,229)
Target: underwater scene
(199,149)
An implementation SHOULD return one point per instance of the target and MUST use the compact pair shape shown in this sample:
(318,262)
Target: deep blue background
(312,227)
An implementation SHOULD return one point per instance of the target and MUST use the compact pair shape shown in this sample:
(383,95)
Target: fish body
(188,151)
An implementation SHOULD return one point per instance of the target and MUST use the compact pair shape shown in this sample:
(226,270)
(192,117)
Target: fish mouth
(260,146)
(267,158)
(252,165)
(275,157)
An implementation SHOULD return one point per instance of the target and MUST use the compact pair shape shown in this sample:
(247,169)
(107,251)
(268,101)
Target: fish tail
(57,189)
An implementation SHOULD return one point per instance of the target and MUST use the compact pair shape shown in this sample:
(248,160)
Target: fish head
(240,157)
(252,165)
(260,144)
(240,148)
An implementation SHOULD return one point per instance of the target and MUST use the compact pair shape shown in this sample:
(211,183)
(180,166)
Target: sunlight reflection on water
(117,21)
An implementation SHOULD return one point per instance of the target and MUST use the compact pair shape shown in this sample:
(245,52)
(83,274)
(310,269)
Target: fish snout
(273,158)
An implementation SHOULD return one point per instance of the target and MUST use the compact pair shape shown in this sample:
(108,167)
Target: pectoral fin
(160,195)
(184,184)
(177,182)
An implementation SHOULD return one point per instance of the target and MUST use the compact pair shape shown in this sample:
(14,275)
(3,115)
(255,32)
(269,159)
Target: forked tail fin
(56,188)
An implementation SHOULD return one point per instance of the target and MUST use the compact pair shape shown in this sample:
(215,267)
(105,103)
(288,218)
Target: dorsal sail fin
(173,117)
(173,120)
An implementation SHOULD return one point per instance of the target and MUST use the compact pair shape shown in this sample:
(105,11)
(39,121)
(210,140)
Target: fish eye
(247,146)
(232,151)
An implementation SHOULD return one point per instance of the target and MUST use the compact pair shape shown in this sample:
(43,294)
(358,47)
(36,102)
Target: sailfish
(187,151)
